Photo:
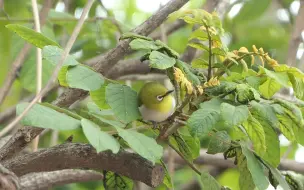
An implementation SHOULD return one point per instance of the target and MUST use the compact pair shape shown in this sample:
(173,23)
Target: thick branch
(75,155)
(295,38)
(8,180)
(46,180)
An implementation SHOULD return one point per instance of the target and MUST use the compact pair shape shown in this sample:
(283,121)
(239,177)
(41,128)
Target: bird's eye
(159,98)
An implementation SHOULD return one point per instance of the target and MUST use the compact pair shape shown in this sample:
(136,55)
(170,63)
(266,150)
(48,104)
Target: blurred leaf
(100,140)
(279,178)
(123,101)
(145,146)
(219,142)
(167,179)
(269,88)
(83,77)
(234,115)
(114,181)
(209,182)
(178,142)
(45,117)
(245,179)
(99,97)
(143,44)
(62,76)
(256,134)
(53,55)
(193,143)
(92,107)
(160,61)
(298,86)
(252,9)
(255,168)
(35,38)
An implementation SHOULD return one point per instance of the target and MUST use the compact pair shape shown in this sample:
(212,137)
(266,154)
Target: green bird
(156,102)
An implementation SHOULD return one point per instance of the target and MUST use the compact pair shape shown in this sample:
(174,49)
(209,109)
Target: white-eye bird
(156,102)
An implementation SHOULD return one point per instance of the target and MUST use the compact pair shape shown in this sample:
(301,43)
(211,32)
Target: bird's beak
(167,93)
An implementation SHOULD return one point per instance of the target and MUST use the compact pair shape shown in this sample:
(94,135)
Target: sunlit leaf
(99,97)
(53,55)
(234,115)
(269,88)
(100,140)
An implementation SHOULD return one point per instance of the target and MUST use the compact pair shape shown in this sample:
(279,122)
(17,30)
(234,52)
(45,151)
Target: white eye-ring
(159,98)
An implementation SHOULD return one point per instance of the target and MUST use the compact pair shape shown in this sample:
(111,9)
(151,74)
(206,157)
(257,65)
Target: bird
(156,103)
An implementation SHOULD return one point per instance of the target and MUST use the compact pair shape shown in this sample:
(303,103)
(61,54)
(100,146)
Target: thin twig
(56,70)
(38,64)
(210,53)
(182,156)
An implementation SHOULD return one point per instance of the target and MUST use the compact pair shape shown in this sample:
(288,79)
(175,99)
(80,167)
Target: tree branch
(295,38)
(76,155)
(46,180)
(8,180)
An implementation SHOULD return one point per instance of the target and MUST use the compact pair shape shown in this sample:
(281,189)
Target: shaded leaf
(100,140)
(209,182)
(245,179)
(99,97)
(53,55)
(167,179)
(219,142)
(143,44)
(114,181)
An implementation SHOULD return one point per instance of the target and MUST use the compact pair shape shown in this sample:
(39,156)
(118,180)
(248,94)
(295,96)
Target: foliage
(238,97)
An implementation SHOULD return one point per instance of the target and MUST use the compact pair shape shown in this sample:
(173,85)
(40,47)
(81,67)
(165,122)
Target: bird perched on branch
(156,102)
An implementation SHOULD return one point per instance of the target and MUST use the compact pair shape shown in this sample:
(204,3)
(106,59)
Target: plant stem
(210,53)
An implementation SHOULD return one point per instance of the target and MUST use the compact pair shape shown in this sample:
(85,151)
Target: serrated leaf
(31,36)
(234,115)
(123,101)
(298,86)
(269,88)
(202,121)
(160,61)
(100,140)
(143,44)
(267,118)
(245,179)
(45,117)
(114,181)
(255,168)
(145,146)
(256,134)
(209,182)
(84,78)
(219,142)
(246,93)
(280,77)
(277,175)
(99,97)
(53,55)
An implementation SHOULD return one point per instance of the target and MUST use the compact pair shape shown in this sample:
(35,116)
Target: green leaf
(293,111)
(281,78)
(269,88)
(160,61)
(62,76)
(193,143)
(171,52)
(100,140)
(267,118)
(277,175)
(200,35)
(35,38)
(186,69)
(92,107)
(123,101)
(234,115)
(255,168)
(53,55)
(256,133)
(99,97)
(145,146)
(202,121)
(209,182)
(82,77)
(143,44)
(45,117)
(177,141)
(167,179)
(246,93)
(219,142)
(298,86)
(245,179)
(114,181)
